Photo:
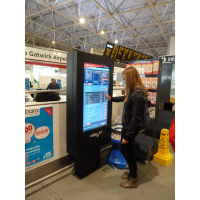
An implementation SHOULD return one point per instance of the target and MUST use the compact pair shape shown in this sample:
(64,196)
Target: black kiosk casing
(85,146)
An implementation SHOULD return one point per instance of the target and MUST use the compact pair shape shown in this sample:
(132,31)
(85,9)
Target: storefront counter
(58,128)
(57,160)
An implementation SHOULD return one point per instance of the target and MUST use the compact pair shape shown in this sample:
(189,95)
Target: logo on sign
(42,132)
(32,112)
(48,110)
(96,134)
(109,46)
(29,131)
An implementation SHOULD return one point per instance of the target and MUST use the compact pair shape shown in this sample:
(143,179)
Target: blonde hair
(132,81)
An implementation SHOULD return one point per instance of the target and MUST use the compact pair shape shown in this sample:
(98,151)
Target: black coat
(132,112)
(53,85)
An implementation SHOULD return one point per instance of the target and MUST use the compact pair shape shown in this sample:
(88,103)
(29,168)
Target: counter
(59,124)
(59,128)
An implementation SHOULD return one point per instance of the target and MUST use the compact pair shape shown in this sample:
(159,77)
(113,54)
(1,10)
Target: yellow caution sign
(163,155)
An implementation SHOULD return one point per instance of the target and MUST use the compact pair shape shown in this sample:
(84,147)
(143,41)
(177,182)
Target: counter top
(62,100)
(34,103)
(117,95)
(42,91)
(118,88)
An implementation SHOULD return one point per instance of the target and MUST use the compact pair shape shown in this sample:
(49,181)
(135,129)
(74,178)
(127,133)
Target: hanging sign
(45,55)
(167,59)
(123,54)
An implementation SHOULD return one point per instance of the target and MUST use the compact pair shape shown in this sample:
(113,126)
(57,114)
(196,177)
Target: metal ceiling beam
(150,43)
(118,6)
(48,8)
(51,8)
(163,47)
(51,41)
(140,36)
(60,33)
(120,24)
(158,20)
(112,30)
(30,10)
(134,10)
(127,28)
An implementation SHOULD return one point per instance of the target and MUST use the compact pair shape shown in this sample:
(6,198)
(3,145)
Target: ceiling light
(47,1)
(53,42)
(102,32)
(81,20)
(116,41)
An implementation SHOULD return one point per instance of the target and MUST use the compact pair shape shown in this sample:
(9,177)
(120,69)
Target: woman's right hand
(108,97)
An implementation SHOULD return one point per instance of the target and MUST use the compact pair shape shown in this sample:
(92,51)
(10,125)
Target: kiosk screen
(95,105)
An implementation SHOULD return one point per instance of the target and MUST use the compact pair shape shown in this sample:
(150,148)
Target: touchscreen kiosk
(95,105)
(89,79)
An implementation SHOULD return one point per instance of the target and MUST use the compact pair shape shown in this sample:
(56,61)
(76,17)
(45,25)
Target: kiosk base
(116,158)
(87,162)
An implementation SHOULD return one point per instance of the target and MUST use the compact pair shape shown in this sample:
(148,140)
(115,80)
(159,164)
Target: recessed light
(53,42)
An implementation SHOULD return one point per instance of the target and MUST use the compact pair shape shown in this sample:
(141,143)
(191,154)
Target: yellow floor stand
(163,155)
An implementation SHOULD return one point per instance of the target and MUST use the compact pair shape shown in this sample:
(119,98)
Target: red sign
(88,65)
(48,110)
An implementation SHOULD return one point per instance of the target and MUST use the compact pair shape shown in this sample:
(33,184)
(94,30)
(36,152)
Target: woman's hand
(108,97)
(124,141)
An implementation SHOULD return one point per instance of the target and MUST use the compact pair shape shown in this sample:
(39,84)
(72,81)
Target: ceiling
(141,25)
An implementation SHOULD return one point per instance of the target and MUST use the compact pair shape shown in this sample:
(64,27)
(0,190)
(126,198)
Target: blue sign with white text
(38,134)
(59,83)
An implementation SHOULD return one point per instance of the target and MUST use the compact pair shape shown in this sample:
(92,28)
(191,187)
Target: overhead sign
(123,54)
(45,55)
(167,58)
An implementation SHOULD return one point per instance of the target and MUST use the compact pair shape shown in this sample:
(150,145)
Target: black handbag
(47,96)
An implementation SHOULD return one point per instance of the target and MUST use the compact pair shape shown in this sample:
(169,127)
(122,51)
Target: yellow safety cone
(163,155)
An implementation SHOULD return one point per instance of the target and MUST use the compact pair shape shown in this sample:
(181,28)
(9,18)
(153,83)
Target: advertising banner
(27,87)
(172,92)
(59,83)
(38,134)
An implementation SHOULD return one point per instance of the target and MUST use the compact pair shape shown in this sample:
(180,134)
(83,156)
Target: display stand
(89,78)
(149,75)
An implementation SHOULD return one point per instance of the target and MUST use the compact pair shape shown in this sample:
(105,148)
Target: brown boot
(125,176)
(131,183)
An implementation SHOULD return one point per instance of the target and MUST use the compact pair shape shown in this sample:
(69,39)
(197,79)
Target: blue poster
(38,134)
(27,87)
(59,83)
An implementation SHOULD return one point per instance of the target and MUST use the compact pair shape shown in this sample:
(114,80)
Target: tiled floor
(156,182)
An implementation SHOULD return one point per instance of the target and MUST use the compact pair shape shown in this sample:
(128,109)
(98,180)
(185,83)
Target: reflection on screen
(95,105)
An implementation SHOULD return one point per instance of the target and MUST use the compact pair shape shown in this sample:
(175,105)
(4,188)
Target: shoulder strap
(136,91)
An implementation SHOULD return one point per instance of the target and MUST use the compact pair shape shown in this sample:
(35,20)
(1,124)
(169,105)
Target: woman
(131,119)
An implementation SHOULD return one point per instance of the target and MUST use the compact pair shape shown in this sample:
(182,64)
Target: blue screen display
(95,105)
